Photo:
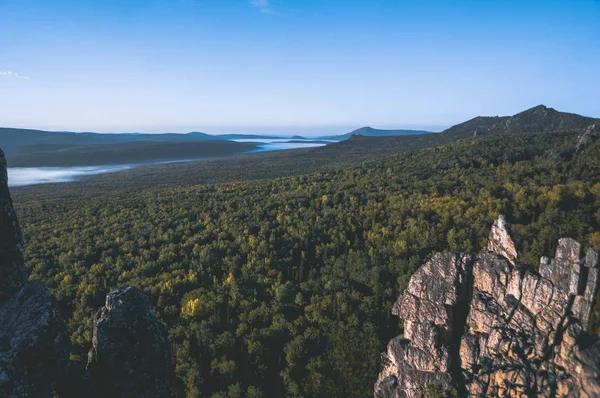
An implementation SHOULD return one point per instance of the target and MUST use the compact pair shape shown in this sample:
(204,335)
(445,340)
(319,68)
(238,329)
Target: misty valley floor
(25,176)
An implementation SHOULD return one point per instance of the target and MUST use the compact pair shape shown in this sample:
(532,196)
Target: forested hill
(537,119)
(371,132)
(283,287)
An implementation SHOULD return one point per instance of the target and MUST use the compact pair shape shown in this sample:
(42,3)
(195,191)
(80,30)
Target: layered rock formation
(130,354)
(497,328)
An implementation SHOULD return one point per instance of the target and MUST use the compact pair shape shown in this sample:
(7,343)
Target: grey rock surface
(130,356)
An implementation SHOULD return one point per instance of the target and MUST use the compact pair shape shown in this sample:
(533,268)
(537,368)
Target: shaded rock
(500,240)
(13,274)
(588,287)
(34,343)
(434,301)
(591,259)
(563,271)
(130,355)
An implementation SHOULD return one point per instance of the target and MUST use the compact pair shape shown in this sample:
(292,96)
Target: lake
(23,176)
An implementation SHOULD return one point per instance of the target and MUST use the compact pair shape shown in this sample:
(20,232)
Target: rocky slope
(494,327)
(130,354)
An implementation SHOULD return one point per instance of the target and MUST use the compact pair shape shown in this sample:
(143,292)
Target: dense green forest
(284,286)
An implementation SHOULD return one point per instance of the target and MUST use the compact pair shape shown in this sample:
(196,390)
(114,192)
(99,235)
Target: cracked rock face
(130,355)
(524,334)
(34,343)
(431,307)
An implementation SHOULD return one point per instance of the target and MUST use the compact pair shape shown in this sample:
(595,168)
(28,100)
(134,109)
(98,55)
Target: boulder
(130,355)
(34,344)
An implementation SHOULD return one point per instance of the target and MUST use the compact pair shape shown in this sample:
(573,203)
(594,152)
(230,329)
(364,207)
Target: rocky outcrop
(590,135)
(34,343)
(130,355)
(523,332)
(500,240)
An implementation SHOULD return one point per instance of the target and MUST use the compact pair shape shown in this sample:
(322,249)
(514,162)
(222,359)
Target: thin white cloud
(13,74)
(263,6)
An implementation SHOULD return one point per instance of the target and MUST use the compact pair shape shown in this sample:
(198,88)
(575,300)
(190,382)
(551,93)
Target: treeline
(284,287)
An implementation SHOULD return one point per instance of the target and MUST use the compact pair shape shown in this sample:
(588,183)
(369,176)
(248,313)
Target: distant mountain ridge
(14,138)
(536,119)
(539,119)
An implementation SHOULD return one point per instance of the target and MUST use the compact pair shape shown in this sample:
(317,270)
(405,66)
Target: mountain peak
(537,119)
(537,110)
(363,130)
(540,107)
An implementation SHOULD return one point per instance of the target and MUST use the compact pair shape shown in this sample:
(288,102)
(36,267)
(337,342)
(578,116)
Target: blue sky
(290,66)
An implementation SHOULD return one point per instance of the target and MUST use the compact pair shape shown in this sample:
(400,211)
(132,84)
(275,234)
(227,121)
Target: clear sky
(306,66)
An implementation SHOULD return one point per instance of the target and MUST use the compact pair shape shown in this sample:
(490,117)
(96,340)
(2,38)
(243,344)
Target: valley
(299,199)
(300,252)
